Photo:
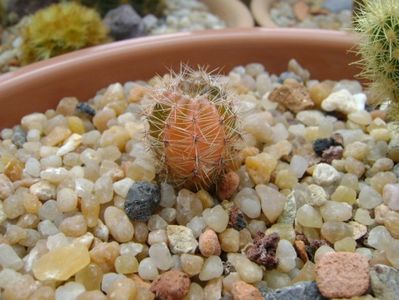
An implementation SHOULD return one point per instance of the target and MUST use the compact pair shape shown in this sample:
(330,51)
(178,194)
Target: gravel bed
(314,199)
(323,14)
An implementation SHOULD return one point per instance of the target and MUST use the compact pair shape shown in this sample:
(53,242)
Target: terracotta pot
(260,10)
(233,12)
(40,86)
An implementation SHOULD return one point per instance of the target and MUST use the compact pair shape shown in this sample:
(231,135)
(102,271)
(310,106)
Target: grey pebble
(141,200)
(385,282)
(306,290)
(124,22)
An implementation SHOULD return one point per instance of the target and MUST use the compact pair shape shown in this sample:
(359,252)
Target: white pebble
(9,258)
(147,269)
(216,218)
(212,268)
(160,255)
(248,202)
(122,187)
(69,291)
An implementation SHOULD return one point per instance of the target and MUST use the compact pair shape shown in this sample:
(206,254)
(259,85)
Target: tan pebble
(228,185)
(205,198)
(92,295)
(320,91)
(171,285)
(209,244)
(301,10)
(243,291)
(13,169)
(100,120)
(43,293)
(301,250)
(342,274)
(293,96)
(67,106)
(380,212)
(74,226)
(104,254)
(124,289)
(56,136)
(136,94)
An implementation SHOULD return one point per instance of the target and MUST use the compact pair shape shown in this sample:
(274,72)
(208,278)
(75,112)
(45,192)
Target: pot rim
(73,59)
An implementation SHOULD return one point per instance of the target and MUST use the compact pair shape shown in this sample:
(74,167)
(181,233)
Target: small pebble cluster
(185,15)
(311,212)
(324,14)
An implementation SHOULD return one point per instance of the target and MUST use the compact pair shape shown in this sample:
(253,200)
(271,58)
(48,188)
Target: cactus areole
(193,129)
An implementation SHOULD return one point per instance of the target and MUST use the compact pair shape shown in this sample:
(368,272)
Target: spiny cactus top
(378,23)
(61,28)
(193,129)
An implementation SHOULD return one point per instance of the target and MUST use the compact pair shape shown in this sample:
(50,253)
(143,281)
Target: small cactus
(378,24)
(61,28)
(193,129)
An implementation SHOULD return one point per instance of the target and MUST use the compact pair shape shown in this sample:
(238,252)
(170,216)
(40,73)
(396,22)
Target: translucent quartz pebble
(90,276)
(276,279)
(369,198)
(309,217)
(379,237)
(9,258)
(187,206)
(161,256)
(392,253)
(363,217)
(391,196)
(69,291)
(61,263)
(8,276)
(108,280)
(334,231)
(119,224)
(103,189)
(147,269)
(286,255)
(272,201)
(347,244)
(344,194)
(248,202)
(191,264)
(298,165)
(122,186)
(168,196)
(336,211)
(249,271)
(216,218)
(212,268)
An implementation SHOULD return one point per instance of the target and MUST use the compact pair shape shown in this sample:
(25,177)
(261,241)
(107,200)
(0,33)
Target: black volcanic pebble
(141,200)
(86,108)
(320,145)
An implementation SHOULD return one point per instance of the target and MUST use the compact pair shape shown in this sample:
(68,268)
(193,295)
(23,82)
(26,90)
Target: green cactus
(378,24)
(61,28)
(193,129)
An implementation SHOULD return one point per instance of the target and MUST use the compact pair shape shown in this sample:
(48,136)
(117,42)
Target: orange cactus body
(194,146)
(192,131)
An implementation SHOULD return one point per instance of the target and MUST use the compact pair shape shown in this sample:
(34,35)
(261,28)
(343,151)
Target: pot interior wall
(40,86)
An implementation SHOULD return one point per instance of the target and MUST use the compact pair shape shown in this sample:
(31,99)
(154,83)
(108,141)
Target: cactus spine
(193,129)
(378,23)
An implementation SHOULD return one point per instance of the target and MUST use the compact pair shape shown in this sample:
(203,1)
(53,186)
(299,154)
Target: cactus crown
(61,28)
(378,23)
(193,129)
